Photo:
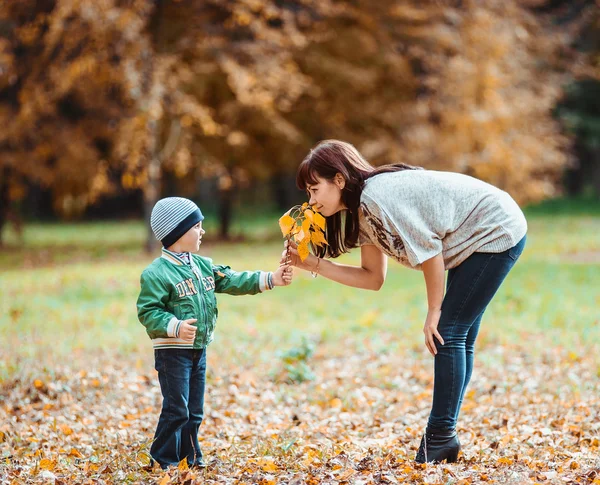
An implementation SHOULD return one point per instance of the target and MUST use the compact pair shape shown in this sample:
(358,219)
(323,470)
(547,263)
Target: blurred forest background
(107,105)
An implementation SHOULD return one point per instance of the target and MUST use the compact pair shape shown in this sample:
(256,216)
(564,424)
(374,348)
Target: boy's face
(191,240)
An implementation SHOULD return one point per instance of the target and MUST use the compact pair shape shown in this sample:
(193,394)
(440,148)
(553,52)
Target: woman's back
(432,211)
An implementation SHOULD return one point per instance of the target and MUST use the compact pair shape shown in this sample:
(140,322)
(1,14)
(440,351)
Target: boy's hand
(187,331)
(283,276)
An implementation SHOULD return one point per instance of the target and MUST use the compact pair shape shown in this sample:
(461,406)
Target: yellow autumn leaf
(47,464)
(299,236)
(75,453)
(303,251)
(311,457)
(183,465)
(66,430)
(305,205)
(505,461)
(310,215)
(317,238)
(286,223)
(165,479)
(306,226)
(269,466)
(319,220)
(38,384)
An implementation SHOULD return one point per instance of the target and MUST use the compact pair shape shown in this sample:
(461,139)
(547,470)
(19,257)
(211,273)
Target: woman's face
(326,195)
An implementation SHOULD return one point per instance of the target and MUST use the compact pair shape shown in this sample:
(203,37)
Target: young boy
(177,305)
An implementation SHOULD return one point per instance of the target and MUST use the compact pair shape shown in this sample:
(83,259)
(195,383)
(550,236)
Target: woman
(430,221)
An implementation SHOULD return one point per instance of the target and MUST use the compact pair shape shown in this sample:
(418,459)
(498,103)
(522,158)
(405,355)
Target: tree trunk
(151,189)
(152,186)
(4,202)
(154,99)
(280,194)
(225,212)
(595,175)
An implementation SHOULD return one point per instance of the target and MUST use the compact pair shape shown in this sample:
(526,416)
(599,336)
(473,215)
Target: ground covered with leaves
(525,420)
(310,384)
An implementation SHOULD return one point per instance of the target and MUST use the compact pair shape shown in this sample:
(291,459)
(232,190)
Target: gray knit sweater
(414,215)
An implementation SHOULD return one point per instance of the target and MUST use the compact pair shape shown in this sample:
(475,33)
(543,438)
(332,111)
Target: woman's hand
(434,272)
(290,256)
(430,330)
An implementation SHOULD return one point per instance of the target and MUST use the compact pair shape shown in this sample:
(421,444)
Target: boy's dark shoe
(438,445)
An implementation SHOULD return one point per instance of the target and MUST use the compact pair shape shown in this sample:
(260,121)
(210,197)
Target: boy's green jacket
(172,291)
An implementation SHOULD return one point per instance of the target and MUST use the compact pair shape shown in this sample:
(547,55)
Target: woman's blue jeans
(469,289)
(182,377)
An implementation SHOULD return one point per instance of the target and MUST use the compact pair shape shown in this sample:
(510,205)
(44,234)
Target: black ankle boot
(438,445)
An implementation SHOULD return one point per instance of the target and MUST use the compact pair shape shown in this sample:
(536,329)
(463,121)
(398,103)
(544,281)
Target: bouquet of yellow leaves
(305,225)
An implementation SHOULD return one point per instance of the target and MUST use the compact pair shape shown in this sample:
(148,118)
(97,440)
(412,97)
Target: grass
(63,243)
(78,298)
(581,205)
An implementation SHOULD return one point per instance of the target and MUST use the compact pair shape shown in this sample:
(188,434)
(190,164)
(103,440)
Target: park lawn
(300,376)
(45,243)
(66,308)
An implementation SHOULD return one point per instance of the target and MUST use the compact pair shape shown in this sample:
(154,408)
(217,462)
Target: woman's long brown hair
(327,159)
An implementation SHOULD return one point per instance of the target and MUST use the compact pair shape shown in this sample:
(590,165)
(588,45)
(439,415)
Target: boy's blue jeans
(182,377)
(469,289)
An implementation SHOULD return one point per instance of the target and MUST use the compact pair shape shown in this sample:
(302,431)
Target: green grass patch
(43,244)
(575,206)
(78,308)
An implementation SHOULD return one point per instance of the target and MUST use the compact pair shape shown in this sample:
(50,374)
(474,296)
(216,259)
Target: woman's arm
(435,273)
(370,275)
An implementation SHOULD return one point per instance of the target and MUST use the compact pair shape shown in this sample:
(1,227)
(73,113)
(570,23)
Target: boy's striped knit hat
(172,217)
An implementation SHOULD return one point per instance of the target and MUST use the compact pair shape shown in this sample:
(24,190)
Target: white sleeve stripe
(172,327)
(263,281)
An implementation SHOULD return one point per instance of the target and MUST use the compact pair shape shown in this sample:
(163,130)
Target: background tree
(279,76)
(84,91)
(490,81)
(362,85)
(67,73)
(239,58)
(153,95)
(579,108)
